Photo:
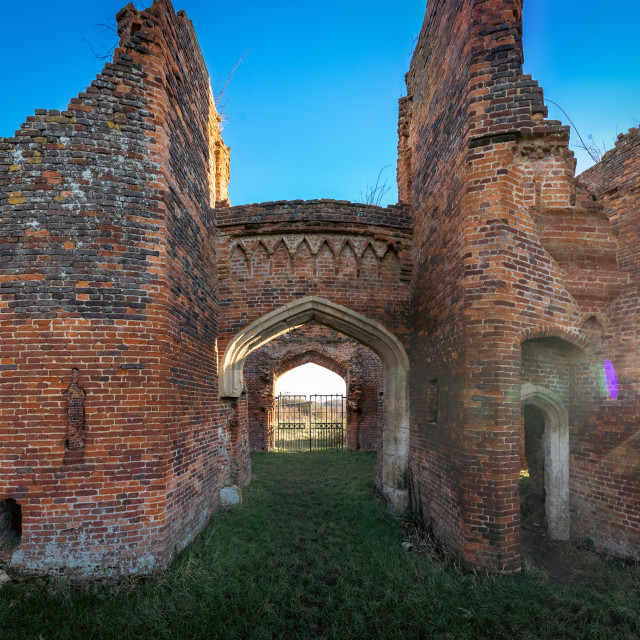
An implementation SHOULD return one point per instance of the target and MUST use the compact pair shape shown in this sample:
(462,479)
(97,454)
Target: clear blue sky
(311,111)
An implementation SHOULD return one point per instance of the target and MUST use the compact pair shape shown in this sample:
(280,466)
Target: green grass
(313,553)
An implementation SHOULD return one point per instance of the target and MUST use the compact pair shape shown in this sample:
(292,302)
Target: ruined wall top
(474,48)
(615,181)
(170,37)
(324,211)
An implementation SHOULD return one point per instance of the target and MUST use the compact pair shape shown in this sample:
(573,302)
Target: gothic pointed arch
(239,262)
(325,261)
(260,261)
(281,262)
(556,453)
(369,268)
(310,356)
(348,261)
(395,447)
(303,260)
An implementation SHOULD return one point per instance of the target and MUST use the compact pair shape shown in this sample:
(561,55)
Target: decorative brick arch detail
(307,357)
(556,457)
(395,439)
(573,336)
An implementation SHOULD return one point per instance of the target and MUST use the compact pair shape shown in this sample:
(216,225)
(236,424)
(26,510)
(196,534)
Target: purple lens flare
(610,379)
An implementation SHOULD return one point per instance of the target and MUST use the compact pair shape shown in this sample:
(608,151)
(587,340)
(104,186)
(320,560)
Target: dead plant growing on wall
(373,194)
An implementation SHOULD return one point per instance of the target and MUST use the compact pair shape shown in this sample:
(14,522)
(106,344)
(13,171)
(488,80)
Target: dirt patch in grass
(567,563)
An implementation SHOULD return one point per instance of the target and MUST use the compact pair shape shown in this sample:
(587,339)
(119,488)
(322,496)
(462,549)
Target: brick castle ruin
(498,300)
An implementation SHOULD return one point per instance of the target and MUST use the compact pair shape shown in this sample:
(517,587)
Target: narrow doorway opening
(532,472)
(10,525)
(546,449)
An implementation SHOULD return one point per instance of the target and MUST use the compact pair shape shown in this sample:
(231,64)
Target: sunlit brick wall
(108,268)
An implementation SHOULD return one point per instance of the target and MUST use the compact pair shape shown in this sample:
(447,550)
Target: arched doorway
(357,366)
(309,410)
(308,377)
(395,446)
(555,453)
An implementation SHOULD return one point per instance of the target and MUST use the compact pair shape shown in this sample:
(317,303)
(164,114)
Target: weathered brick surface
(605,454)
(615,180)
(607,462)
(351,254)
(125,275)
(107,267)
(506,249)
(360,368)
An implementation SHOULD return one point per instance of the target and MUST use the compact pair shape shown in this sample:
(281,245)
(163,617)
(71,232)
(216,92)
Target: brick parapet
(314,211)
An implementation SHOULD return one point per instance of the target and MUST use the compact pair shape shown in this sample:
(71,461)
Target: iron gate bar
(320,420)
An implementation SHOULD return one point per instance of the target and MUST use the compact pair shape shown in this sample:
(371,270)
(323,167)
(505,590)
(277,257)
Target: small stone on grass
(230,496)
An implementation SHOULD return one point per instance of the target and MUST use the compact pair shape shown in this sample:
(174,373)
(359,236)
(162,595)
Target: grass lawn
(313,553)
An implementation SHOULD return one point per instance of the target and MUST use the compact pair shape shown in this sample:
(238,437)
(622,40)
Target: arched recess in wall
(395,444)
(307,357)
(556,454)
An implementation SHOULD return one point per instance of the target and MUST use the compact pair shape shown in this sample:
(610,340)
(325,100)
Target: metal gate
(308,423)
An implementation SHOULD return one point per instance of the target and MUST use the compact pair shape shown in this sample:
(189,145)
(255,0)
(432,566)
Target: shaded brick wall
(607,464)
(206,436)
(532,506)
(356,364)
(103,271)
(548,362)
(506,248)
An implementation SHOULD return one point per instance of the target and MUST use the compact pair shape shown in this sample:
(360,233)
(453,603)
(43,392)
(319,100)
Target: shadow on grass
(313,553)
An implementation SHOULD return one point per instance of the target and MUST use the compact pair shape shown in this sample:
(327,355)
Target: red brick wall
(504,245)
(548,362)
(354,255)
(366,401)
(615,181)
(605,471)
(121,259)
(104,270)
(356,364)
(259,382)
(606,455)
